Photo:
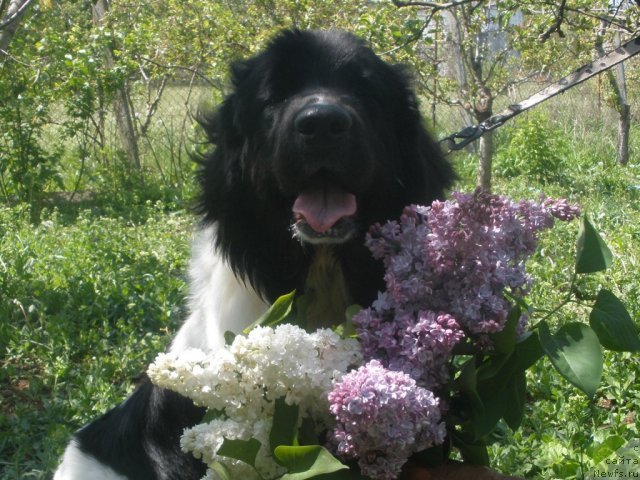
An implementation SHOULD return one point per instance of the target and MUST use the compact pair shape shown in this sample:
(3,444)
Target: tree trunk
(124,124)
(121,105)
(624,125)
(15,12)
(485,161)
(466,64)
(482,111)
(617,82)
(623,108)
(618,86)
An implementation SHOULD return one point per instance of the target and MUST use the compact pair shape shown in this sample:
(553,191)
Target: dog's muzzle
(325,170)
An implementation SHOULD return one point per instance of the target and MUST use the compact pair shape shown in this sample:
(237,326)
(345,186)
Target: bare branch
(434,5)
(152,106)
(610,19)
(7,55)
(587,13)
(556,27)
(14,15)
(3,6)
(192,70)
(413,39)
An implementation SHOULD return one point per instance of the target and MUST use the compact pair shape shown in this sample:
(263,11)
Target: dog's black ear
(209,121)
(216,175)
(220,173)
(240,71)
(424,171)
(225,125)
(433,173)
(427,172)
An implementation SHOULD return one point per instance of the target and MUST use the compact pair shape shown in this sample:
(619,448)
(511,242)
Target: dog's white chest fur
(218,300)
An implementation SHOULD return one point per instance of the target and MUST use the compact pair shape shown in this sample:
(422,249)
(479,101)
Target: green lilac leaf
(516,394)
(467,383)
(576,354)
(472,452)
(528,351)
(613,324)
(229,337)
(243,450)
(495,405)
(593,255)
(304,462)
(277,312)
(285,424)
(221,471)
(504,341)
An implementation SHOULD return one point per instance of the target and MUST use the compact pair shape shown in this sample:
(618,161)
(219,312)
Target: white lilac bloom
(382,418)
(243,380)
(204,440)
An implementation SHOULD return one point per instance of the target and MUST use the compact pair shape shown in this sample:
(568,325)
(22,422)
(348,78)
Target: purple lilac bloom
(382,418)
(459,256)
(416,343)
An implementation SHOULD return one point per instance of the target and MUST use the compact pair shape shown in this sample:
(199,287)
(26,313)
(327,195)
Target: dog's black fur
(365,137)
(140,438)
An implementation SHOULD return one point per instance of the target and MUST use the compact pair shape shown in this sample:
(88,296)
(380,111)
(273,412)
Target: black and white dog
(319,139)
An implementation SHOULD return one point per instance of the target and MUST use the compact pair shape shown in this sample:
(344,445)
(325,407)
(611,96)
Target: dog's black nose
(322,121)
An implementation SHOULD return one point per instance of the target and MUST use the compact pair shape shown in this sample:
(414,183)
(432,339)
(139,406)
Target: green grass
(87,300)
(89,294)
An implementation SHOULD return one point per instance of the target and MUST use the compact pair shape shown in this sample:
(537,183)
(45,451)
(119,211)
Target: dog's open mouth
(325,214)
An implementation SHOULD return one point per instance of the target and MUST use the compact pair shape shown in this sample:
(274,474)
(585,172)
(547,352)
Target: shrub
(535,150)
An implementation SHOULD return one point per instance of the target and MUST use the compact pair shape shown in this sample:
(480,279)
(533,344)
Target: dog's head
(319,139)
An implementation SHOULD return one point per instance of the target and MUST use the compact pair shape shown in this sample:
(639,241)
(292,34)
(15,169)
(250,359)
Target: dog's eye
(274,99)
(270,106)
(367,91)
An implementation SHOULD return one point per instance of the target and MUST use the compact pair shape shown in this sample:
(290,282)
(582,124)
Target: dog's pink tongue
(323,207)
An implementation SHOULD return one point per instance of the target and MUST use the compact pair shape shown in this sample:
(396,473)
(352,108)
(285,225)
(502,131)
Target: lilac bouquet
(249,383)
(437,361)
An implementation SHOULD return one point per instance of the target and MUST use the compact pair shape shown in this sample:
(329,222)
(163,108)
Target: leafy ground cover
(88,298)
(90,294)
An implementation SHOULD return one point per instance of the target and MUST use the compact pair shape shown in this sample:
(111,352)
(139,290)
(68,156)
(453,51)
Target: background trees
(496,45)
(11,13)
(109,66)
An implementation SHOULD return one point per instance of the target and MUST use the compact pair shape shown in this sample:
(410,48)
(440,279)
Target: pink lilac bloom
(447,270)
(382,418)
